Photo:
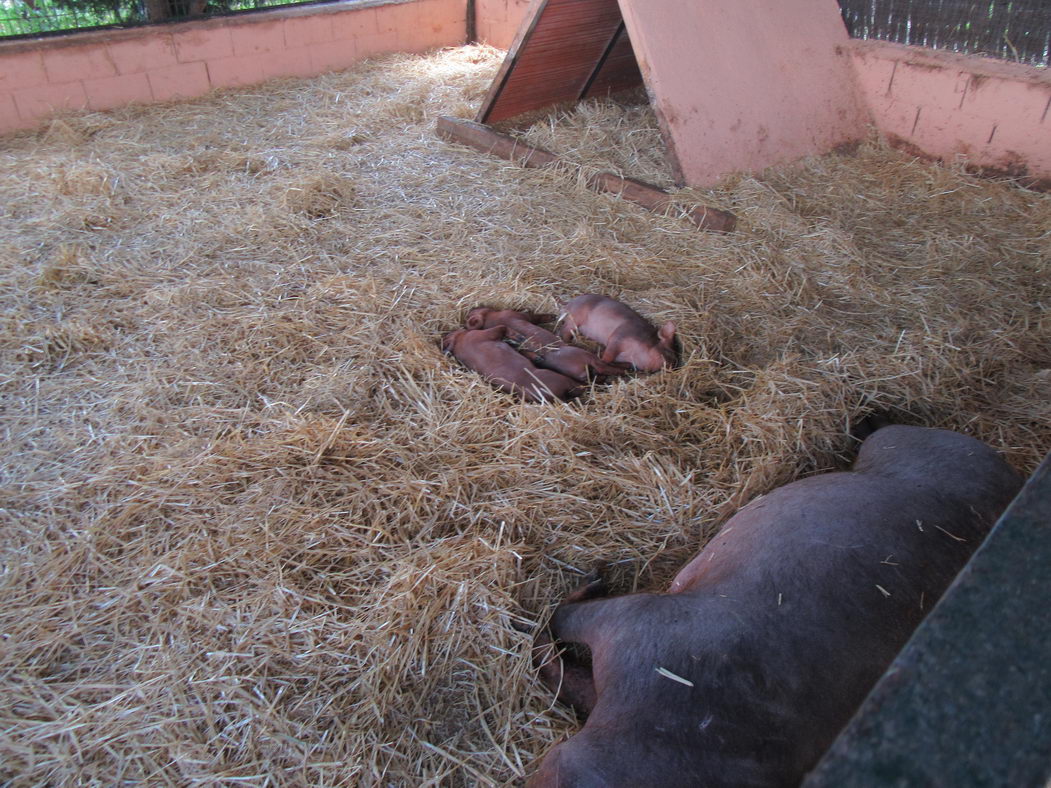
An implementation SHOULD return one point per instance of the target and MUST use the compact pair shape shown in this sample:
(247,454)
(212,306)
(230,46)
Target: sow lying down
(744,672)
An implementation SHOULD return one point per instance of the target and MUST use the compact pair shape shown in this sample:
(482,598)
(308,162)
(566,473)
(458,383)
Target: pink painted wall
(739,86)
(498,20)
(107,69)
(754,83)
(990,113)
(745,85)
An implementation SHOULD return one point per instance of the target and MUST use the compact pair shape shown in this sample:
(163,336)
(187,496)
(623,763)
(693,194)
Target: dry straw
(256,529)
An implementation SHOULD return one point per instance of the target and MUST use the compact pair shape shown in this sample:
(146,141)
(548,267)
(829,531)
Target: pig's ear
(475,319)
(667,333)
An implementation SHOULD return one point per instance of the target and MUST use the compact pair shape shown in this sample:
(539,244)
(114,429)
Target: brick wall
(107,69)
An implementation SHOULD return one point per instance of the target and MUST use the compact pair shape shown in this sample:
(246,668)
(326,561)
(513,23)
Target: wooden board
(619,70)
(483,138)
(566,50)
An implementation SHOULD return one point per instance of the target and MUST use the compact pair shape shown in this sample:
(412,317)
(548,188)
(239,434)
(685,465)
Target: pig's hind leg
(563,674)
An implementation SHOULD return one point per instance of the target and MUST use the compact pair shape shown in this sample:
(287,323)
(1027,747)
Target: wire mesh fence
(1018,30)
(19,18)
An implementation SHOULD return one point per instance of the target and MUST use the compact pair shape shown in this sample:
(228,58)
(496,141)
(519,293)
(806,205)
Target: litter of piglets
(515,353)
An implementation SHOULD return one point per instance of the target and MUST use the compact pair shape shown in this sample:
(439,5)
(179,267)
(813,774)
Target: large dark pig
(503,366)
(542,347)
(770,638)
(627,337)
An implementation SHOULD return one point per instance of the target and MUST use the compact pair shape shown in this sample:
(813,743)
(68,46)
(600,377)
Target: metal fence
(1018,30)
(21,18)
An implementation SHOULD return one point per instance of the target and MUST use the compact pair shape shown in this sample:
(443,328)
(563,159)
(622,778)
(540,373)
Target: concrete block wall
(996,115)
(106,69)
(992,114)
(497,21)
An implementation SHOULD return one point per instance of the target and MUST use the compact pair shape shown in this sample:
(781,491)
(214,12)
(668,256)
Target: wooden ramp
(567,50)
(735,87)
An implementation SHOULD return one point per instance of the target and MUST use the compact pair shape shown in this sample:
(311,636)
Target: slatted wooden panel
(566,50)
(620,71)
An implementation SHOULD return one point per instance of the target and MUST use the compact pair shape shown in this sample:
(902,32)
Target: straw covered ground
(257,529)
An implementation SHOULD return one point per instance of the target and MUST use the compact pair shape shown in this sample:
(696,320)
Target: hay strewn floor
(258,530)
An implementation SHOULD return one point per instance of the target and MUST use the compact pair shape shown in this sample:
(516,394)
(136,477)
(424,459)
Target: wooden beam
(481,137)
(659,201)
(485,139)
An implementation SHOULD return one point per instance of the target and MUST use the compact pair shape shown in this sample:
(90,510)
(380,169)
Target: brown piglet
(627,336)
(542,347)
(486,353)
(769,639)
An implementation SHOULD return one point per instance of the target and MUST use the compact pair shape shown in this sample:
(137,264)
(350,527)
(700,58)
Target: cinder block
(420,38)
(939,89)
(500,34)
(893,116)
(253,69)
(334,56)
(22,70)
(377,44)
(1008,100)
(135,56)
(491,13)
(199,45)
(45,100)
(304,30)
(118,91)
(258,38)
(77,63)
(949,134)
(354,24)
(396,16)
(872,74)
(445,21)
(185,80)
(1020,144)
(9,119)
(293,62)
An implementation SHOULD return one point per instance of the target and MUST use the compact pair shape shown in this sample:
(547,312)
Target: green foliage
(29,17)
(18,17)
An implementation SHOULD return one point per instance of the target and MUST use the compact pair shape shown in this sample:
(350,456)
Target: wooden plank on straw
(652,198)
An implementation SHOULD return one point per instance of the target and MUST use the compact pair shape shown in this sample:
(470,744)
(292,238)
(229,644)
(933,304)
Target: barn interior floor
(257,528)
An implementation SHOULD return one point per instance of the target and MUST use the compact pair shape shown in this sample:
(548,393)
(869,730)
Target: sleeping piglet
(770,638)
(541,346)
(503,366)
(627,336)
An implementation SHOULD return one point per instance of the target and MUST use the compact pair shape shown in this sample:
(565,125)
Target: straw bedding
(257,529)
